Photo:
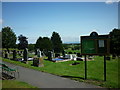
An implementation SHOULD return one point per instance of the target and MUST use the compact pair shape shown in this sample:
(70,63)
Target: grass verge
(94,73)
(15,84)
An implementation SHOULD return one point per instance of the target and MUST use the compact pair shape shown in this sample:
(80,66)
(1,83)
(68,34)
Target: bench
(9,71)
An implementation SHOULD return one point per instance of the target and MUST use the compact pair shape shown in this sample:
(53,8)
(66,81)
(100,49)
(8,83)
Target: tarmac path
(46,80)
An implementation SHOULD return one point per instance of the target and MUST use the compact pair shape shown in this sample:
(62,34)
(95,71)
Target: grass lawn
(94,73)
(77,51)
(15,84)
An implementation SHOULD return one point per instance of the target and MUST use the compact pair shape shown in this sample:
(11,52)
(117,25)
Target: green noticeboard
(88,46)
(95,44)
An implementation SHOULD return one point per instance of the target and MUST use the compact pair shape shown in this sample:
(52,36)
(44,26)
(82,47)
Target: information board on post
(95,44)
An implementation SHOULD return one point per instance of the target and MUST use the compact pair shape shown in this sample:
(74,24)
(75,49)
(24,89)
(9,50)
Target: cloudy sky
(70,19)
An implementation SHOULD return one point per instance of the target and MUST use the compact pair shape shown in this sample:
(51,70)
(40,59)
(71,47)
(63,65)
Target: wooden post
(85,68)
(104,68)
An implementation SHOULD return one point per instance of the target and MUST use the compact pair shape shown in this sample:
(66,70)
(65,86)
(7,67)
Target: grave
(14,54)
(6,54)
(38,60)
(25,56)
(50,55)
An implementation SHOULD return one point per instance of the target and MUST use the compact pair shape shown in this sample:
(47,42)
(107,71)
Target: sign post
(85,68)
(95,45)
(104,68)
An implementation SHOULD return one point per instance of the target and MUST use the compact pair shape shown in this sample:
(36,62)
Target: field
(94,73)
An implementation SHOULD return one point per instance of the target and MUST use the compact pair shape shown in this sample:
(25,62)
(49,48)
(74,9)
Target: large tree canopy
(8,38)
(23,43)
(57,42)
(115,42)
(43,44)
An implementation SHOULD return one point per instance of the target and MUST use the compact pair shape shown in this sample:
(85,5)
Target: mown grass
(76,51)
(15,84)
(95,73)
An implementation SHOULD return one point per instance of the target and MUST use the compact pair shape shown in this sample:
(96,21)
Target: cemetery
(84,65)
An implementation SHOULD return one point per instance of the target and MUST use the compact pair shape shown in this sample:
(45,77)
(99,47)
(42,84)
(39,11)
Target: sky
(70,19)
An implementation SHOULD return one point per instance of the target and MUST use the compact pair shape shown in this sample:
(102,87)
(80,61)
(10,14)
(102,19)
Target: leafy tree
(57,43)
(47,44)
(8,38)
(23,43)
(43,44)
(31,47)
(38,44)
(115,42)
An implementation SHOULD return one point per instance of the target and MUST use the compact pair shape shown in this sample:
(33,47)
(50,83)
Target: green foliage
(115,42)
(8,38)
(31,47)
(57,42)
(43,44)
(23,43)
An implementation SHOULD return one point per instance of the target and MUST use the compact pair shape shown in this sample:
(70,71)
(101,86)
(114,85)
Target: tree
(57,43)
(47,44)
(38,44)
(43,44)
(115,42)
(23,43)
(8,38)
(31,47)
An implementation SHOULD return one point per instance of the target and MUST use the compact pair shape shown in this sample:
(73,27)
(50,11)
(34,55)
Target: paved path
(46,80)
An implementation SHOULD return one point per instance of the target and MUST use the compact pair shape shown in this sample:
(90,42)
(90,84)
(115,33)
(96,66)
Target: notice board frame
(96,40)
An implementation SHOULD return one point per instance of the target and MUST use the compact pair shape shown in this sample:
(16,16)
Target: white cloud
(109,1)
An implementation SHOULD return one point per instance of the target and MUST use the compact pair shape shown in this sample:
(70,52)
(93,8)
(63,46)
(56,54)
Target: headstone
(35,61)
(63,53)
(25,55)
(79,55)
(14,54)
(49,55)
(38,61)
(39,53)
(69,56)
(74,57)
(57,54)
(41,62)
(6,54)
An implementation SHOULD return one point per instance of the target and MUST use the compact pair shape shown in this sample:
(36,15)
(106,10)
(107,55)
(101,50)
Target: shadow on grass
(75,77)
(72,77)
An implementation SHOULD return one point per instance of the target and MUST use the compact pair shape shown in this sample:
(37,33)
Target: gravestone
(36,61)
(39,53)
(6,54)
(69,56)
(25,55)
(63,53)
(79,55)
(49,55)
(14,54)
